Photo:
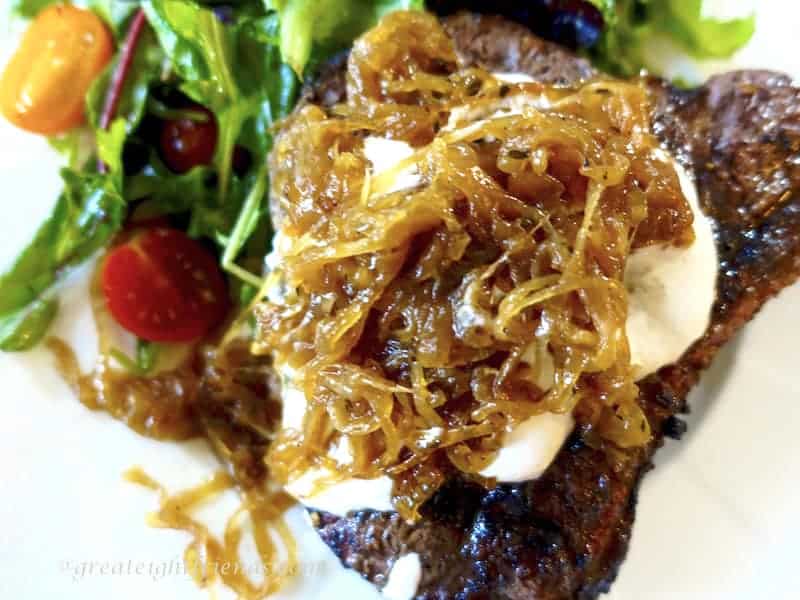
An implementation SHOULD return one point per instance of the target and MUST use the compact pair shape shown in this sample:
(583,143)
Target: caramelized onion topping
(419,323)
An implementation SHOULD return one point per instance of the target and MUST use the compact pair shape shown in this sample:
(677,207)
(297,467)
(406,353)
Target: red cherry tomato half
(187,143)
(164,287)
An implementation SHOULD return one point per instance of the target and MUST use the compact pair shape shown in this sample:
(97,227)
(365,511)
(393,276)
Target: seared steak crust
(564,535)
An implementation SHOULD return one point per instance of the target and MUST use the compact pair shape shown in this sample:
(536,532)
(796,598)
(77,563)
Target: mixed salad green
(629,24)
(240,64)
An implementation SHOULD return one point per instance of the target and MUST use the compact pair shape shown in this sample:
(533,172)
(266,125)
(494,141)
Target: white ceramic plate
(717,520)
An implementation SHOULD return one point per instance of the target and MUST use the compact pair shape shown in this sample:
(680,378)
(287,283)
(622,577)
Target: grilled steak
(564,535)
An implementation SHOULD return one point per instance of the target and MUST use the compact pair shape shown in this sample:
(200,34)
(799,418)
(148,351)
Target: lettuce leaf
(705,37)
(23,329)
(629,23)
(329,24)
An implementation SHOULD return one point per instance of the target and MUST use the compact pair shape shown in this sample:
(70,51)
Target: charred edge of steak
(565,535)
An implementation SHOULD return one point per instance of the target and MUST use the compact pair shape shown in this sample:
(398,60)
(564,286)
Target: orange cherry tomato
(44,86)
(164,287)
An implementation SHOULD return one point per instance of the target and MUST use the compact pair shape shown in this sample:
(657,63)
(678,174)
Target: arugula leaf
(110,145)
(148,62)
(22,329)
(88,213)
(165,193)
(269,79)
(332,24)
(630,23)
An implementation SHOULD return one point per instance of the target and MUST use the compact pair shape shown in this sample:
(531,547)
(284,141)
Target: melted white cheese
(344,496)
(385,154)
(294,400)
(671,291)
(404,578)
(530,447)
(466,118)
(513,77)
